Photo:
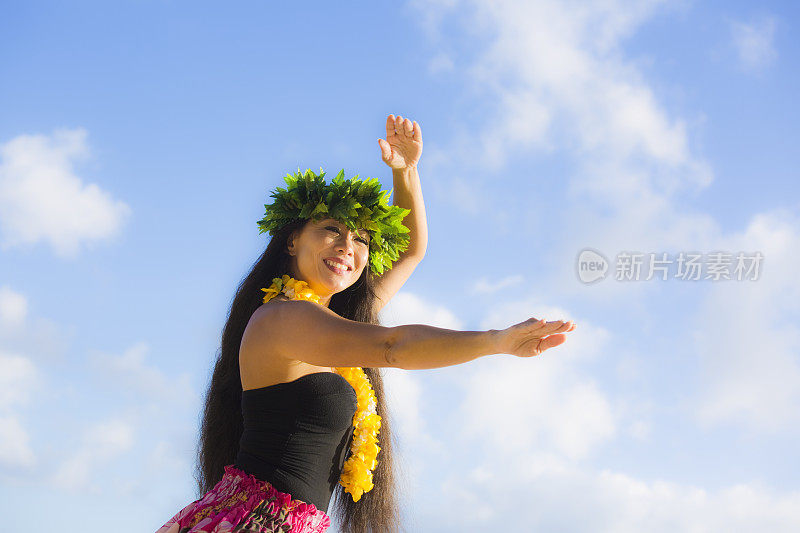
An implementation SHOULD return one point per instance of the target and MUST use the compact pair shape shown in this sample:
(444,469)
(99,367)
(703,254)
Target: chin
(343,284)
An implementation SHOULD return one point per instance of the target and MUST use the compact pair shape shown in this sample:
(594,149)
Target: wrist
(404,172)
(496,340)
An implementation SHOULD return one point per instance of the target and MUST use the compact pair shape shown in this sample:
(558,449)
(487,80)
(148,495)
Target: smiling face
(328,239)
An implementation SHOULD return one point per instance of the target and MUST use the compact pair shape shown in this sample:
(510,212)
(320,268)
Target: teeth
(334,264)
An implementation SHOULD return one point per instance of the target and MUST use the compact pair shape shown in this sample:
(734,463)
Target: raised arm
(408,195)
(401,151)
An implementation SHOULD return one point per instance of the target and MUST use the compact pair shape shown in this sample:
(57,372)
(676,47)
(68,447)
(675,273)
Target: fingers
(567,326)
(552,341)
(386,150)
(417,132)
(397,125)
(403,126)
(541,327)
(408,128)
(547,334)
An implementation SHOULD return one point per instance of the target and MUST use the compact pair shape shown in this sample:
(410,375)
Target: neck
(324,299)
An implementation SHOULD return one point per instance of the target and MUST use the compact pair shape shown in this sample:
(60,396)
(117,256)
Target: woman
(295,412)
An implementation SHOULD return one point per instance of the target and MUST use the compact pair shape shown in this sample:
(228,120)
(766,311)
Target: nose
(346,243)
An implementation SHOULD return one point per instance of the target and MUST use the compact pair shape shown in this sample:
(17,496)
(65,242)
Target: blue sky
(140,140)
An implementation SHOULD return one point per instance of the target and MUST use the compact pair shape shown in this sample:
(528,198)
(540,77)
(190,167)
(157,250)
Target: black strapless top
(297,435)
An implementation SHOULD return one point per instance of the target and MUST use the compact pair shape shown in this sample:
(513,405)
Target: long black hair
(221,426)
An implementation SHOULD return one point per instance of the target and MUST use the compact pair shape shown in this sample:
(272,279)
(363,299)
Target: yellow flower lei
(356,477)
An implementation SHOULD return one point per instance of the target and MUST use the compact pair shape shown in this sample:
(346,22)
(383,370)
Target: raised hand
(532,337)
(402,147)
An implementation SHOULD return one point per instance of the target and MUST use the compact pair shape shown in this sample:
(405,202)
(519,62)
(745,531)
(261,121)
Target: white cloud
(131,372)
(41,199)
(748,341)
(407,308)
(487,286)
(403,394)
(557,78)
(110,438)
(549,60)
(407,397)
(37,337)
(94,459)
(18,376)
(538,491)
(40,338)
(139,390)
(15,449)
(536,404)
(545,402)
(18,379)
(754,42)
(13,308)
(102,443)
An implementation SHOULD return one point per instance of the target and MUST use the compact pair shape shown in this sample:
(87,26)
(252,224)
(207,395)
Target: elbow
(390,354)
(417,253)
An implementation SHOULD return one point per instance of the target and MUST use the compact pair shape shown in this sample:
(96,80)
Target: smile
(338,270)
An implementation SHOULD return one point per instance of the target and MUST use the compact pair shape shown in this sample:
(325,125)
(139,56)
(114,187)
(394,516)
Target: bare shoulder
(260,363)
(303,307)
(257,332)
(276,323)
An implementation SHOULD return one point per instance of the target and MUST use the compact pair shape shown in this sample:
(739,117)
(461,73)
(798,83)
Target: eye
(334,228)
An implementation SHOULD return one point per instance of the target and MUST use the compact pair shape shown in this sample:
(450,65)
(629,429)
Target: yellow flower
(270,294)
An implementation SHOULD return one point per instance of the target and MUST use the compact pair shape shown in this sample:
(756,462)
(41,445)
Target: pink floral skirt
(242,502)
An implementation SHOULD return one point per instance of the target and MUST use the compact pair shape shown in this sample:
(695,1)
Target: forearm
(418,346)
(408,195)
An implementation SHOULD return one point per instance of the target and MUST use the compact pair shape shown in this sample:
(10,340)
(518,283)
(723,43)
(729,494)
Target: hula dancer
(295,412)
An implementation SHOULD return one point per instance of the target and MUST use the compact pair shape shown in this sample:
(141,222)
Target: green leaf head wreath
(356,203)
